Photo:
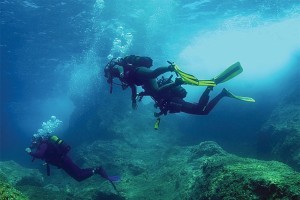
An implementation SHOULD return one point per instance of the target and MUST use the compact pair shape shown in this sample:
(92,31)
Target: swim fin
(192,80)
(229,94)
(229,73)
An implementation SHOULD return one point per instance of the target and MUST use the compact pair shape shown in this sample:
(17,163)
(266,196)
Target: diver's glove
(171,67)
(179,81)
(134,105)
(28,150)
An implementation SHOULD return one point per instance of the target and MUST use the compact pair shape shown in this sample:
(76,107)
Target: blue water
(53,54)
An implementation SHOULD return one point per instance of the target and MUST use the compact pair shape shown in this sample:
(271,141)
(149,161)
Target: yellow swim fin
(229,73)
(192,80)
(229,94)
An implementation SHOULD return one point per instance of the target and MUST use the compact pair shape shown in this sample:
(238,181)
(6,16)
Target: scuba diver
(173,101)
(134,71)
(54,151)
(168,94)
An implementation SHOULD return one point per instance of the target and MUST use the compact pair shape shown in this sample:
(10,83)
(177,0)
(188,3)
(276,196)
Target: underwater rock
(9,192)
(135,169)
(38,193)
(23,183)
(280,135)
(16,174)
(208,148)
(52,187)
(203,171)
(232,177)
(29,180)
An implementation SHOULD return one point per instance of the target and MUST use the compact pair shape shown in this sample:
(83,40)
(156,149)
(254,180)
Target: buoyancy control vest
(61,147)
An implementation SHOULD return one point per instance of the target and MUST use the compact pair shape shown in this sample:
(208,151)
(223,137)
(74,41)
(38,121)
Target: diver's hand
(171,66)
(28,150)
(179,81)
(134,105)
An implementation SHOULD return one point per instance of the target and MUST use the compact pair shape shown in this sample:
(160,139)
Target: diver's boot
(225,92)
(179,81)
(211,88)
(101,172)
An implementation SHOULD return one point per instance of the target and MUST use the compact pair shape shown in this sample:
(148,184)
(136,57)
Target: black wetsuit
(177,104)
(145,77)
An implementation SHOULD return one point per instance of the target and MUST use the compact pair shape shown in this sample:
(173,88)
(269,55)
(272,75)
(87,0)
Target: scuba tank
(61,146)
(177,91)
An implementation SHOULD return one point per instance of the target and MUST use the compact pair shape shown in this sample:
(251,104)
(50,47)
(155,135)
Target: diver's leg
(179,105)
(74,171)
(214,102)
(204,98)
(203,107)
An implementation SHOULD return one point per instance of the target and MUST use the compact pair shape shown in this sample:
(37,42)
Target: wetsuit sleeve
(133,93)
(39,153)
(146,73)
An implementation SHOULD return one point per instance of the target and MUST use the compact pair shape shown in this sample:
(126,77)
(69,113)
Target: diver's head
(107,73)
(37,139)
(113,70)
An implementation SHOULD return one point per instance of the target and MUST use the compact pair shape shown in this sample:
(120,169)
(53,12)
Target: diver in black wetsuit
(169,96)
(175,104)
(134,71)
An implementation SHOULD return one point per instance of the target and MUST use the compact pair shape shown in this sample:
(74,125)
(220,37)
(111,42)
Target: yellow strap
(156,125)
(183,74)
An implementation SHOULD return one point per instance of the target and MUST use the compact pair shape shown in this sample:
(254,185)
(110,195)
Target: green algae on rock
(8,192)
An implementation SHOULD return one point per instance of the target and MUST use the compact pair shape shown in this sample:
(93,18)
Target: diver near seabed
(54,150)
(168,95)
